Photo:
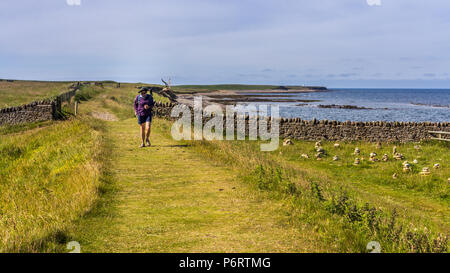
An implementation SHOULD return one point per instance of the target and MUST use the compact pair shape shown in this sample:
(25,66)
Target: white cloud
(73,2)
(374,2)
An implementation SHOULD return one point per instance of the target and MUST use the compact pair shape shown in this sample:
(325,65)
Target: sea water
(384,105)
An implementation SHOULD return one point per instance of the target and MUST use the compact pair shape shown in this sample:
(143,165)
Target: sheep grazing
(372,157)
(319,156)
(415,161)
(395,176)
(335,158)
(337,145)
(425,171)
(385,158)
(437,166)
(288,142)
(357,151)
(357,161)
(398,156)
(305,156)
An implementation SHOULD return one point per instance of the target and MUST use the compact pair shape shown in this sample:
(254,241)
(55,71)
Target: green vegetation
(10,129)
(48,178)
(434,187)
(84,179)
(167,190)
(111,99)
(22,92)
(352,205)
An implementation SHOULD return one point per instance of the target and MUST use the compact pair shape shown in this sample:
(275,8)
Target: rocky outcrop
(351,107)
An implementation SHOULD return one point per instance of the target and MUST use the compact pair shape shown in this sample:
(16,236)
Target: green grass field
(84,179)
(351,204)
(22,92)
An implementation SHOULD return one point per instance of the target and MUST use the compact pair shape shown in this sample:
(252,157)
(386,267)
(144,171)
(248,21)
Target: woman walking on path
(143,105)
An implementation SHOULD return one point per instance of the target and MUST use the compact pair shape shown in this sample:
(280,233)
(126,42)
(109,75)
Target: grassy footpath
(51,172)
(167,198)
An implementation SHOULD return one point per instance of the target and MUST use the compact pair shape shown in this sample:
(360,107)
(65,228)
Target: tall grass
(48,178)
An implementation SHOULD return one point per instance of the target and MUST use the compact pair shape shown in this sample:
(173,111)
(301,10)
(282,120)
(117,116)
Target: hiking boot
(142,145)
(148,142)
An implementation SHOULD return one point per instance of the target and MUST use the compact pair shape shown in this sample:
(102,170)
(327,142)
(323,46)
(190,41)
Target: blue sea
(386,105)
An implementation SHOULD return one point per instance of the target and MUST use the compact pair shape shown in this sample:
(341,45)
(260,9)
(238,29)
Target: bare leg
(149,127)
(143,133)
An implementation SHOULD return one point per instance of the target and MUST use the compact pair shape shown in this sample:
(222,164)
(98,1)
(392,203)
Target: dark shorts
(144,119)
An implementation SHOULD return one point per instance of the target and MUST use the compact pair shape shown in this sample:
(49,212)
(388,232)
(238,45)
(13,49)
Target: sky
(333,43)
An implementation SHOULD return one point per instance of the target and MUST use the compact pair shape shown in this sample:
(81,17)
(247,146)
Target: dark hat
(145,89)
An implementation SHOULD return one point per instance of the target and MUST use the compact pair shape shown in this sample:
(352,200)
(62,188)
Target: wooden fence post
(58,107)
(76,107)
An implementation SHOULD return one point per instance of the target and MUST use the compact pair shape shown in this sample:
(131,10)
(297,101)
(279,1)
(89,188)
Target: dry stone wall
(38,110)
(354,131)
(343,131)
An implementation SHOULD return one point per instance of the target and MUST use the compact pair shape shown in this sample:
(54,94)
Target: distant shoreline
(226,97)
(431,105)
